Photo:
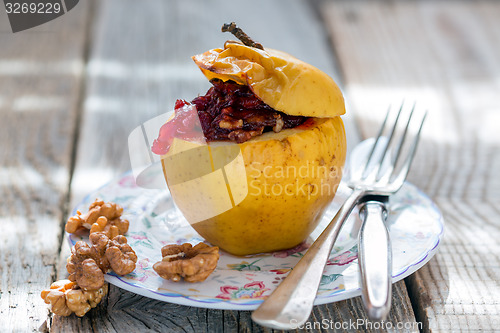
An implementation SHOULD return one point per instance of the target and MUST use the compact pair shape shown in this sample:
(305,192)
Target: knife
(375,256)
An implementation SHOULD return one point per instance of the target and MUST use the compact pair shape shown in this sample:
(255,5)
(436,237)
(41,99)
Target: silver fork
(290,305)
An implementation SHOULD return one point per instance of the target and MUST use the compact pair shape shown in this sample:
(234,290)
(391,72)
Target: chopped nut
(261,120)
(241,136)
(229,122)
(279,124)
(194,264)
(116,253)
(65,298)
(111,211)
(85,267)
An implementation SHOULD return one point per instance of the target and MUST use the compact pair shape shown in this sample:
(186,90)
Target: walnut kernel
(104,226)
(118,255)
(80,301)
(65,297)
(85,267)
(121,256)
(56,297)
(194,264)
(88,263)
(111,211)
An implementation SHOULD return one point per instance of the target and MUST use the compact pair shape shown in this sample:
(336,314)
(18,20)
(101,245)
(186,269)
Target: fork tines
(384,161)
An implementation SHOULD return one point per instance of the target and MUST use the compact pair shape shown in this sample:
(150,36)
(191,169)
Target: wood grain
(131,312)
(445,56)
(40,79)
(139,64)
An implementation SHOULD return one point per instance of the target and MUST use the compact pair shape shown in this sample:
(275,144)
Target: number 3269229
(38,8)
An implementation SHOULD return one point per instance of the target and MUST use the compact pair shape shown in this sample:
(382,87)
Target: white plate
(241,283)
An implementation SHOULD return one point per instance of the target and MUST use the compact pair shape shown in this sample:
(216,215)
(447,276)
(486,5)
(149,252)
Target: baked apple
(254,162)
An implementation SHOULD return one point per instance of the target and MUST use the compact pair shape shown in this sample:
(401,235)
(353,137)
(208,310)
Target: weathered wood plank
(40,79)
(139,64)
(445,56)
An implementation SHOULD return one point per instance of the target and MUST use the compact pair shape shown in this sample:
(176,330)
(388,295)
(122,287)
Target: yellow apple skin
(282,81)
(263,195)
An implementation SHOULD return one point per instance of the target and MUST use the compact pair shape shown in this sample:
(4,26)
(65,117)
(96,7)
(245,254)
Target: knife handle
(375,260)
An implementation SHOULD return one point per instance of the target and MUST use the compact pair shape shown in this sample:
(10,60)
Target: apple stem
(238,33)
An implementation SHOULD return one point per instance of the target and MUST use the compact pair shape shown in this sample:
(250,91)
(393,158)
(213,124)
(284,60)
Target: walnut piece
(228,122)
(56,297)
(85,267)
(100,243)
(109,210)
(115,252)
(103,225)
(65,298)
(88,263)
(279,124)
(120,255)
(194,264)
(80,301)
(241,136)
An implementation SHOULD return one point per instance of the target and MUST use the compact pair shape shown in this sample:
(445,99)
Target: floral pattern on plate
(241,283)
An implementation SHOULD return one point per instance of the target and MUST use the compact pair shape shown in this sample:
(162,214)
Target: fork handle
(375,260)
(290,305)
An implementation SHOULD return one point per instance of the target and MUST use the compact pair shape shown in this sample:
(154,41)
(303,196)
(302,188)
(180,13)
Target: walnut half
(110,211)
(194,264)
(56,297)
(120,255)
(115,253)
(65,298)
(85,267)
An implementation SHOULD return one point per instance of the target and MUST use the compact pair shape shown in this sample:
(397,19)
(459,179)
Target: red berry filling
(227,112)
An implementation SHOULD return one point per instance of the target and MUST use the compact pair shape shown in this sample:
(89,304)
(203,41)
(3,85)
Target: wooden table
(73,89)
